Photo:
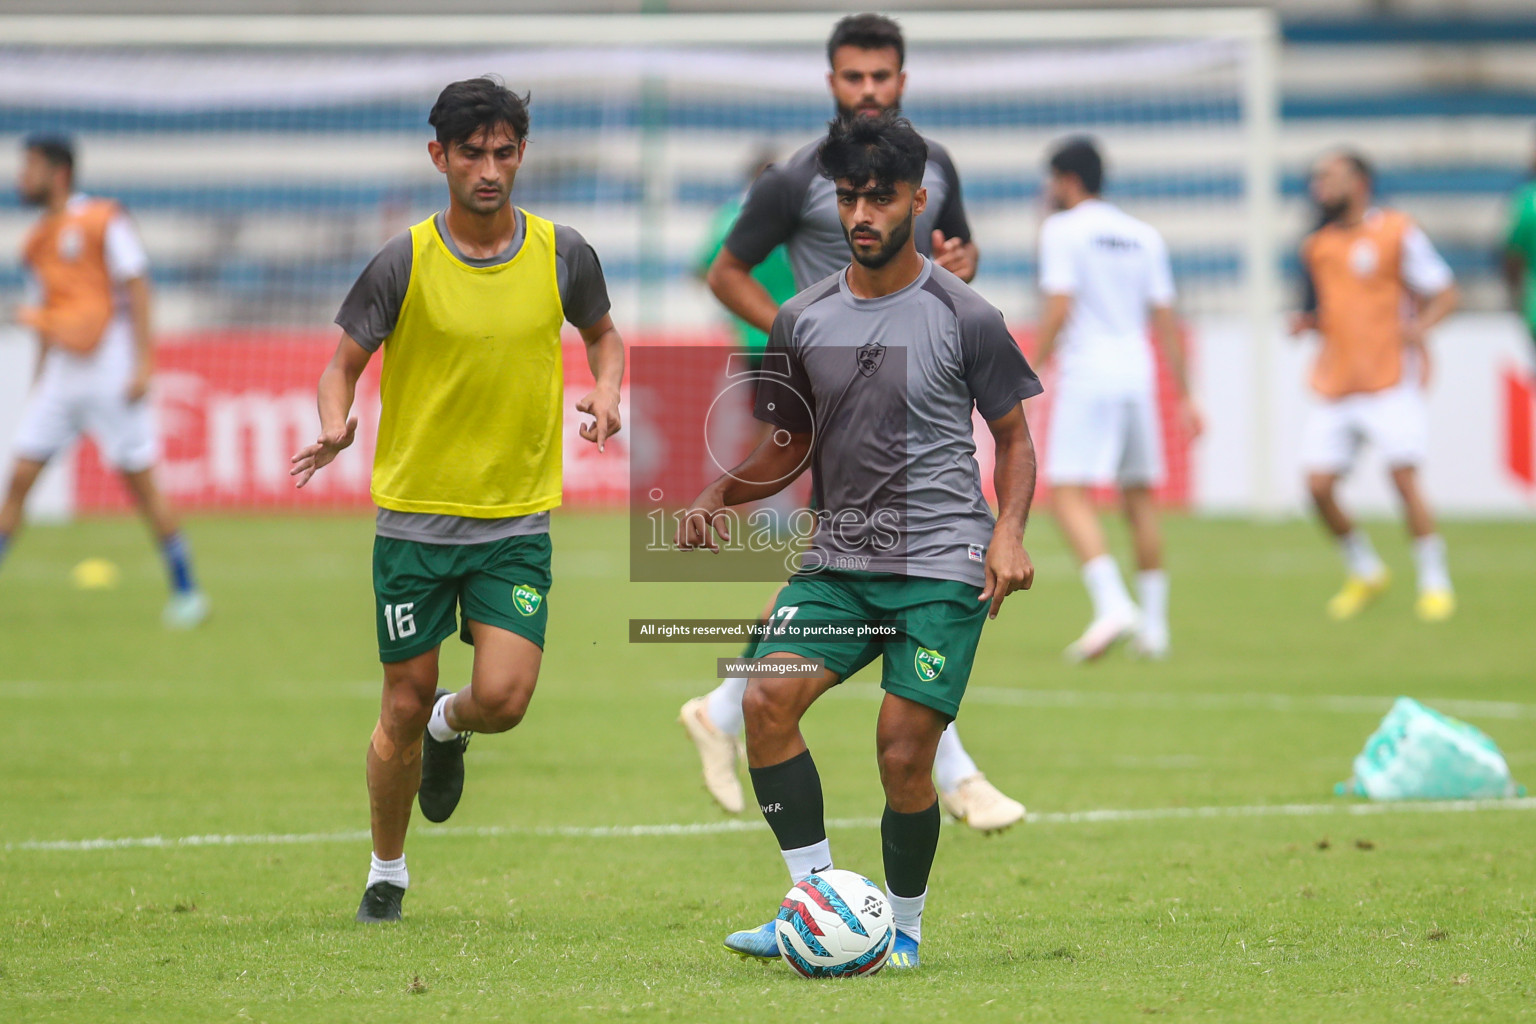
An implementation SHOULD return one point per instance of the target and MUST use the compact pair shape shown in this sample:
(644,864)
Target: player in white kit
(1103,276)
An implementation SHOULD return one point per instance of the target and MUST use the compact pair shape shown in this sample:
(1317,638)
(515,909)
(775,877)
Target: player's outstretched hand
(138,384)
(953,255)
(1416,344)
(701,522)
(1008,569)
(326,447)
(602,404)
(1191,419)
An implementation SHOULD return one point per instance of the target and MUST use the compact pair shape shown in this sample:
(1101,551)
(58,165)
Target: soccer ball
(835,924)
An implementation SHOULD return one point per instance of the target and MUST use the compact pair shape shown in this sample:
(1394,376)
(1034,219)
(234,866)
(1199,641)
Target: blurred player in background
(773,272)
(888,358)
(1520,252)
(1381,287)
(791,205)
(1103,275)
(88,300)
(468,462)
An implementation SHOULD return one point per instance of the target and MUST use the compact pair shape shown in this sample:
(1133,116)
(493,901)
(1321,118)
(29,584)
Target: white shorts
(1104,437)
(89,394)
(1395,420)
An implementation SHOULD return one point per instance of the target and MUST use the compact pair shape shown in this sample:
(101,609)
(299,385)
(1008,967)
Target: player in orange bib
(88,302)
(1380,287)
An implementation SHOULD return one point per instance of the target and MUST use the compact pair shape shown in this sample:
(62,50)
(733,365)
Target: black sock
(908,842)
(789,795)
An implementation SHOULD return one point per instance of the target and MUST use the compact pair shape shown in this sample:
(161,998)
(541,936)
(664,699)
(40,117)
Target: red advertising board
(234,406)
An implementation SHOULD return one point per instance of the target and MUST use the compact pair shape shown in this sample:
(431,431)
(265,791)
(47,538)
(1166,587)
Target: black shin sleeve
(789,795)
(908,842)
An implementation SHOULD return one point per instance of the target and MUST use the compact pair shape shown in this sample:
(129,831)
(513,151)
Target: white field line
(1106,816)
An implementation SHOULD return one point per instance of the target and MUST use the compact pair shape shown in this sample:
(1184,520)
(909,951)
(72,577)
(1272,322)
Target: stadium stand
(1446,107)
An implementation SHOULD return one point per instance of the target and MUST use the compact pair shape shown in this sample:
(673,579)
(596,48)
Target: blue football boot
(904,952)
(761,943)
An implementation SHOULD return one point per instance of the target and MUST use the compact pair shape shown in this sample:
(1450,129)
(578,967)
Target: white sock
(392,871)
(1106,589)
(438,725)
(805,861)
(1429,556)
(908,913)
(1152,588)
(951,765)
(1360,557)
(723,705)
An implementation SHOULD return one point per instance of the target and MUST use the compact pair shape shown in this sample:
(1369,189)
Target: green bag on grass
(1416,753)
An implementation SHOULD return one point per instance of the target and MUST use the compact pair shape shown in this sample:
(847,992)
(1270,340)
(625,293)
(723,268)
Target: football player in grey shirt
(790,204)
(883,363)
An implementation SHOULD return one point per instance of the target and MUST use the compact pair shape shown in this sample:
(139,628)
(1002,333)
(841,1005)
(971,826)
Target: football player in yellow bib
(467,307)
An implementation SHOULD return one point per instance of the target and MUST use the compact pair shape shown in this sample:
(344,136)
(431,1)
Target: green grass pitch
(254,728)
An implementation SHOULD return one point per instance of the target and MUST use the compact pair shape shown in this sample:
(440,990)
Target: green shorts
(418,587)
(930,663)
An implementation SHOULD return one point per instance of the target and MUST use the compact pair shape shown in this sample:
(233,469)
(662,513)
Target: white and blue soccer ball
(835,924)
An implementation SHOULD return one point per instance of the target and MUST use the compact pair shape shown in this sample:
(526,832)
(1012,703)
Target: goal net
(265,160)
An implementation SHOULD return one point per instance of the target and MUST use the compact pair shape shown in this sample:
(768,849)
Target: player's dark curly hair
(884,150)
(464,108)
(868,32)
(1079,155)
(58,150)
(1358,163)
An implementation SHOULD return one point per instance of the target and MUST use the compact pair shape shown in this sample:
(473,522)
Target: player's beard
(892,244)
(33,196)
(1329,212)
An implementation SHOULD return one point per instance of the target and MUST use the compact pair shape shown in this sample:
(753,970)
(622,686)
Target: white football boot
(981,805)
(717,754)
(1150,645)
(1101,635)
(186,611)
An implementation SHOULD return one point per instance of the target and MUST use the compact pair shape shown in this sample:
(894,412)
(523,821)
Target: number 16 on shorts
(400,620)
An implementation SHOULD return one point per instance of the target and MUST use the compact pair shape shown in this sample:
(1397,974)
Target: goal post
(266,158)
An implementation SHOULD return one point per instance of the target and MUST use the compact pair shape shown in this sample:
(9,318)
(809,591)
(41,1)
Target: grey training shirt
(792,205)
(887,386)
(372,308)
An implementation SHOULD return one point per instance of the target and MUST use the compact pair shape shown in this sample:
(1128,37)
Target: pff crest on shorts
(928,664)
(526,598)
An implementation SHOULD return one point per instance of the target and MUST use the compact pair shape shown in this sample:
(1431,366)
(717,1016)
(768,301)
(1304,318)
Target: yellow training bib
(473,383)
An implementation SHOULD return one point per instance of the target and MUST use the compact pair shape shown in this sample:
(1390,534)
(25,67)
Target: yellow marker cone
(94,574)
